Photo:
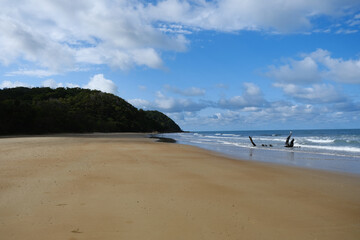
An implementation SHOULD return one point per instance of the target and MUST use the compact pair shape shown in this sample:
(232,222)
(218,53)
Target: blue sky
(209,65)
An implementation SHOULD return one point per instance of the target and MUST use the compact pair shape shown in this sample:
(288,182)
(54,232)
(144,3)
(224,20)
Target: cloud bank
(316,67)
(59,36)
(97,82)
(313,92)
(10,84)
(193,91)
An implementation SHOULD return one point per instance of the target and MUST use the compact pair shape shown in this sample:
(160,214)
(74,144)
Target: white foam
(271,139)
(217,137)
(313,140)
(221,137)
(333,148)
(199,142)
(231,143)
(231,135)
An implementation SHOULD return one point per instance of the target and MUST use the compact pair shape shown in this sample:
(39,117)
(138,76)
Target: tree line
(74,110)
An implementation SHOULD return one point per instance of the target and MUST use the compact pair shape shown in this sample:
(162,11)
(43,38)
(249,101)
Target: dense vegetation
(74,110)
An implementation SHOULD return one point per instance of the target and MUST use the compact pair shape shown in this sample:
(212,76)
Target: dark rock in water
(164,139)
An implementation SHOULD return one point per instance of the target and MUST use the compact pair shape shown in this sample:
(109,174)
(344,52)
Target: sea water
(335,150)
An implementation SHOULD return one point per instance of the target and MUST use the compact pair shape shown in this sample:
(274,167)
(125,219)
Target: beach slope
(126,186)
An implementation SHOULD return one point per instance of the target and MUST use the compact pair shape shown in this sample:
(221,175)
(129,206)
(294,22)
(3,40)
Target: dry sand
(128,187)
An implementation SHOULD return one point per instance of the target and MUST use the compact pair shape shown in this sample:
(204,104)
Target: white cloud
(233,15)
(60,35)
(317,93)
(170,104)
(147,57)
(98,82)
(9,84)
(123,58)
(316,67)
(302,71)
(18,39)
(51,83)
(174,28)
(140,103)
(346,31)
(355,21)
(193,91)
(251,97)
(275,114)
(314,106)
(337,69)
(35,73)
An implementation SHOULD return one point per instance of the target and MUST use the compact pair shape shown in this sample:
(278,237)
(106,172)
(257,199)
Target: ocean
(334,150)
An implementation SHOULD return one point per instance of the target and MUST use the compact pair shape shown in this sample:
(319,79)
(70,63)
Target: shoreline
(128,186)
(90,135)
(263,160)
(156,138)
(236,145)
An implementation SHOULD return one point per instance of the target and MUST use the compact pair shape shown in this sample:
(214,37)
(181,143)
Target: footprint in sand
(76,231)
(61,204)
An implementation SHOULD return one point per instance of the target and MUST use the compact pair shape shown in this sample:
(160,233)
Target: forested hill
(74,110)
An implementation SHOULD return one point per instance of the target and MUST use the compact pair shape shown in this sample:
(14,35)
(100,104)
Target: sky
(207,64)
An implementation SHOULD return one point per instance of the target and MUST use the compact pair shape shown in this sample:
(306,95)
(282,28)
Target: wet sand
(127,186)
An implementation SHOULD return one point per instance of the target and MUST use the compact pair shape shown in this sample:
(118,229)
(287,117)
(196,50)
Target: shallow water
(335,150)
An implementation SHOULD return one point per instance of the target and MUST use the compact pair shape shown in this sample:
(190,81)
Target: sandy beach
(127,186)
